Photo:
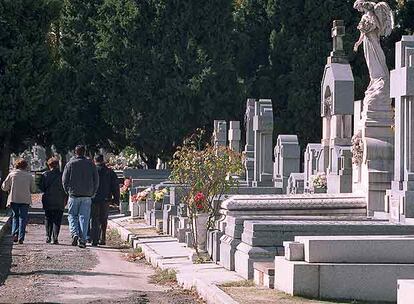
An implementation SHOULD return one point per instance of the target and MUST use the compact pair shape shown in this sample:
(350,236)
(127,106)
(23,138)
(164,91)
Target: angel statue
(377,21)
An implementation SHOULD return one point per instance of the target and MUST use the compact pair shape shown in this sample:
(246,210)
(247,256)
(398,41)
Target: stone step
(357,282)
(357,249)
(273,233)
(264,274)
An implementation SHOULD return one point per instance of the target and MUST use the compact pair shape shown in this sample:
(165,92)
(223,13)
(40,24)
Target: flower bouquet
(319,183)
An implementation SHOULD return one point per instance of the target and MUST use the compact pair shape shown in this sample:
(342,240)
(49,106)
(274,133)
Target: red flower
(199,206)
(199,197)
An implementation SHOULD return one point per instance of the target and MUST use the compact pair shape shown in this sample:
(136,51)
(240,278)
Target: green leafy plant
(208,172)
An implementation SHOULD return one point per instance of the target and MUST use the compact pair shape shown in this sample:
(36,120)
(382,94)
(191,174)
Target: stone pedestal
(263,142)
(399,201)
(287,160)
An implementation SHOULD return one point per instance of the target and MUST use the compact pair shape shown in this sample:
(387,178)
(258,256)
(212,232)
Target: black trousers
(99,221)
(53,220)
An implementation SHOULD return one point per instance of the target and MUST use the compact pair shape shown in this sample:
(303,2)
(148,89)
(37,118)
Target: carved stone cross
(338,53)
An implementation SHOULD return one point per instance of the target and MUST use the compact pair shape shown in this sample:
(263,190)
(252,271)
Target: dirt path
(36,272)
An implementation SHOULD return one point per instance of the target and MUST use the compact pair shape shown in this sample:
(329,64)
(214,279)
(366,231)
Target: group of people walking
(86,187)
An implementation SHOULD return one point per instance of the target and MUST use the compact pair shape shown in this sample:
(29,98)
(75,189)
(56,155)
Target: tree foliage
(25,67)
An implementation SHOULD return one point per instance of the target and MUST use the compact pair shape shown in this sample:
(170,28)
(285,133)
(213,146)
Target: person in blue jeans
(80,181)
(20,185)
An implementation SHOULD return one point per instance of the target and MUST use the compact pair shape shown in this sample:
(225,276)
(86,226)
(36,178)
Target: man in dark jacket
(53,200)
(108,191)
(80,181)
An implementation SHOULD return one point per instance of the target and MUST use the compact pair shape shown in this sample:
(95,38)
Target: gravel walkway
(36,272)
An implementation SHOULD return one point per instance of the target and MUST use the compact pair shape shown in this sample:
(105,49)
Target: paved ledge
(5,221)
(166,253)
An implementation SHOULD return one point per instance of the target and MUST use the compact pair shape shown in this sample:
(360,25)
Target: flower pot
(124,207)
(200,224)
(319,190)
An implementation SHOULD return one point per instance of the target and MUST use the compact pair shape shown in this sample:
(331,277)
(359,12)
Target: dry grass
(113,239)
(243,283)
(164,277)
(134,255)
(254,295)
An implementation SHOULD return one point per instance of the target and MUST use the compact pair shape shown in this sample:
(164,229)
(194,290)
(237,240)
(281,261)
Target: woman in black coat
(54,199)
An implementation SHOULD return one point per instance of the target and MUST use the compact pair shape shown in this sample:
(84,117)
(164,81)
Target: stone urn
(200,225)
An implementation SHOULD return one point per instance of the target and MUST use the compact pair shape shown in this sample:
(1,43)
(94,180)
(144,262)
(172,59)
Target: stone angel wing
(385,18)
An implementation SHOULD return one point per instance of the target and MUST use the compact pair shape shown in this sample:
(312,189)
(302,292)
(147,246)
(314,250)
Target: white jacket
(20,184)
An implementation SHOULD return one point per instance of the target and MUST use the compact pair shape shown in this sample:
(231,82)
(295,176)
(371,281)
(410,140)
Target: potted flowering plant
(124,196)
(319,183)
(208,173)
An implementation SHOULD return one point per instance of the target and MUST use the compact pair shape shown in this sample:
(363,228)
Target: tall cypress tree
(24,70)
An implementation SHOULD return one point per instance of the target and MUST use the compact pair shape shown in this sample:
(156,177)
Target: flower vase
(200,224)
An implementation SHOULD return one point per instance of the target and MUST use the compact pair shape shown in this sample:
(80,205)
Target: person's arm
(66,178)
(95,177)
(115,188)
(6,186)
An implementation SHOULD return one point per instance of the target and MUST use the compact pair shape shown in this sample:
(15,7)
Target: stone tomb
(220,133)
(263,142)
(363,268)
(337,97)
(313,164)
(249,147)
(234,136)
(296,183)
(240,208)
(399,201)
(263,240)
(287,160)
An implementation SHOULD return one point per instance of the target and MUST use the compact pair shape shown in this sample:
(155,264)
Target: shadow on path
(6,246)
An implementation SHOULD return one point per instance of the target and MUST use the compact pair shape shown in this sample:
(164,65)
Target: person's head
(99,159)
(21,164)
(80,150)
(53,163)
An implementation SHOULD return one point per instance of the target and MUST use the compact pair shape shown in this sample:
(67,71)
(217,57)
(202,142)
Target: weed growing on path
(164,276)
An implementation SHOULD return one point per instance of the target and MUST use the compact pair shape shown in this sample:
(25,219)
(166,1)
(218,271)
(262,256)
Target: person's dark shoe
(94,244)
(20,241)
(102,243)
(55,242)
(82,244)
(15,238)
(75,240)
(48,240)
(88,241)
